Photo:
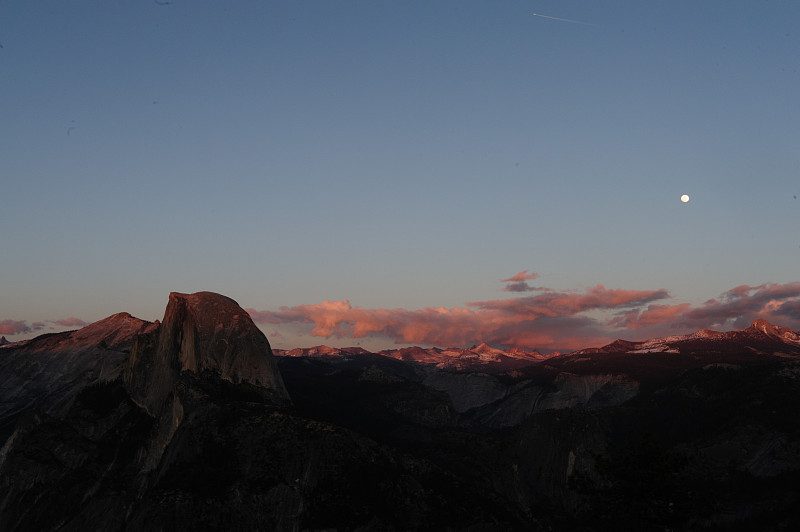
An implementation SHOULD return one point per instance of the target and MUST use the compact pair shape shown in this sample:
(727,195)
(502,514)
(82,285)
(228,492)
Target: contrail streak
(561,19)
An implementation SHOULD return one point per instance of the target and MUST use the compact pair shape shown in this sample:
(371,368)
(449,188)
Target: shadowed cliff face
(202,332)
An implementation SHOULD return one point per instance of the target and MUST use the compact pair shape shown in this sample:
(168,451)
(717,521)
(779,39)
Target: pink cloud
(652,315)
(735,308)
(743,304)
(520,277)
(567,303)
(12,327)
(517,282)
(70,322)
(528,321)
(553,320)
(340,319)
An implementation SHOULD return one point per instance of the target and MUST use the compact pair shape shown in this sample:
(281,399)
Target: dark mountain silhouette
(48,371)
(193,424)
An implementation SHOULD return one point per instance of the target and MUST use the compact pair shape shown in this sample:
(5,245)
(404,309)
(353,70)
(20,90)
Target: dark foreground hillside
(714,447)
(199,427)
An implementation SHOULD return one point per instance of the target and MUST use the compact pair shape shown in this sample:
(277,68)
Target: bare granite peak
(200,332)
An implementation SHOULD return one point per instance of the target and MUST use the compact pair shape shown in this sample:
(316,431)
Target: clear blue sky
(397,155)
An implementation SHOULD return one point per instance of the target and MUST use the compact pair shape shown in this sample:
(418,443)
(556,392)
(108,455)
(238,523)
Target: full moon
(685,198)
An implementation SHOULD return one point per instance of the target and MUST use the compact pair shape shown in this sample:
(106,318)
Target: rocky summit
(202,332)
(193,424)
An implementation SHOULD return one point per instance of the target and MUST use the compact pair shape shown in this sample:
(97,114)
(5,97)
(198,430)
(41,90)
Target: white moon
(685,198)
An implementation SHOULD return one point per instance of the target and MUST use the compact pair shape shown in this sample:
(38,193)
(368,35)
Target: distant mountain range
(192,423)
(479,356)
(761,337)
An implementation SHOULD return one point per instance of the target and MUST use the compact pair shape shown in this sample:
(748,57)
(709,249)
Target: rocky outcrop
(204,337)
(508,401)
(466,390)
(201,333)
(782,334)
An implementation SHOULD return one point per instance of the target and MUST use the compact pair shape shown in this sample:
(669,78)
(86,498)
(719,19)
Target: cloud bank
(552,320)
(14,327)
(70,322)
(736,308)
(11,327)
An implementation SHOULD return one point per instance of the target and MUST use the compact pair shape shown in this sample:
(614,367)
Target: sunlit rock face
(782,334)
(201,332)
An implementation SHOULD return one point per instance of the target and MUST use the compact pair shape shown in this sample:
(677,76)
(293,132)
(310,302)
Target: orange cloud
(739,306)
(553,320)
(568,303)
(545,321)
(12,327)
(652,315)
(520,277)
(517,282)
(735,308)
(340,319)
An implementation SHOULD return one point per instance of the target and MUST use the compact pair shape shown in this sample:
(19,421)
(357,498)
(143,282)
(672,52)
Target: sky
(386,173)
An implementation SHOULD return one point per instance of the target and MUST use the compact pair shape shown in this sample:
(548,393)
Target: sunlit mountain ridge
(760,337)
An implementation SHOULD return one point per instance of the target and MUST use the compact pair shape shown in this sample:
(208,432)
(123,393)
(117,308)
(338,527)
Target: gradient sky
(380,171)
